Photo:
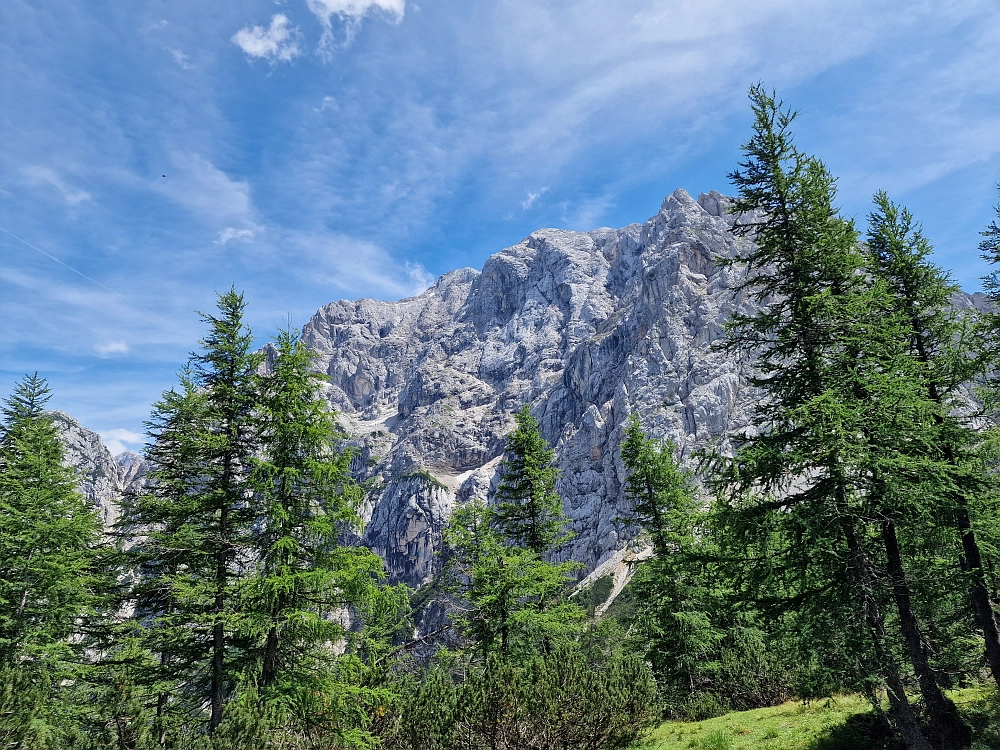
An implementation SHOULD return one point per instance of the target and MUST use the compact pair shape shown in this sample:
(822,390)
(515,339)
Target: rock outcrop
(103,478)
(586,327)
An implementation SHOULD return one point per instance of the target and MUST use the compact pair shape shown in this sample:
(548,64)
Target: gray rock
(103,478)
(586,327)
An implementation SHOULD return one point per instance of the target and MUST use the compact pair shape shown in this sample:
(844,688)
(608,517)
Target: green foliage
(47,536)
(840,458)
(566,699)
(304,499)
(660,492)
(596,594)
(188,531)
(528,510)
(516,602)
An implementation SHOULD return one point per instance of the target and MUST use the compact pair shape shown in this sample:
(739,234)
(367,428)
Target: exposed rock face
(103,478)
(586,327)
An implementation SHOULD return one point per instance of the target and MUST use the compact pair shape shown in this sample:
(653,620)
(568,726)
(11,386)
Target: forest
(848,547)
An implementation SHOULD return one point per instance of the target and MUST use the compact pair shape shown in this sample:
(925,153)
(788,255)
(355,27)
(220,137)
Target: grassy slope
(840,723)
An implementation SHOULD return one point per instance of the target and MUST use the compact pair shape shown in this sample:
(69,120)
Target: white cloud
(278,42)
(115,440)
(350,13)
(328,103)
(44,176)
(111,347)
(532,197)
(356,267)
(232,233)
(419,278)
(181,59)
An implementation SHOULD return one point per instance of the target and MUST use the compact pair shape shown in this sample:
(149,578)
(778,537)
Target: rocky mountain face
(585,327)
(103,478)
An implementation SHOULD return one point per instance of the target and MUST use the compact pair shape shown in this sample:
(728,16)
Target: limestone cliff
(586,327)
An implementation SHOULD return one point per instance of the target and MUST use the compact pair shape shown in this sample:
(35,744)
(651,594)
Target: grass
(838,723)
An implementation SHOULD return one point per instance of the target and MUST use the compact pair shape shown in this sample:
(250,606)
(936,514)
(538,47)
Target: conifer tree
(516,603)
(193,517)
(49,536)
(677,636)
(659,490)
(48,533)
(826,352)
(305,500)
(528,510)
(938,340)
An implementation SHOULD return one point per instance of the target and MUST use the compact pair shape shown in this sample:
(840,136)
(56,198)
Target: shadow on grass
(858,732)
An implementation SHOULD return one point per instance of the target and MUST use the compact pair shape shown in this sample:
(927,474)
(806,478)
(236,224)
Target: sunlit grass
(838,723)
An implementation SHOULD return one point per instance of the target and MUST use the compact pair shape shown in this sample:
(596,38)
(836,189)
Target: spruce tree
(48,534)
(825,350)
(528,510)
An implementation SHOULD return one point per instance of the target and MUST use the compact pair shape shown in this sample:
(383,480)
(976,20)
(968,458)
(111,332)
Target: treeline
(230,606)
(850,543)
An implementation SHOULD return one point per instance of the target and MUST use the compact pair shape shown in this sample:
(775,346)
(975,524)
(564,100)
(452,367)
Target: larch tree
(303,576)
(939,341)
(515,603)
(48,534)
(828,353)
(192,521)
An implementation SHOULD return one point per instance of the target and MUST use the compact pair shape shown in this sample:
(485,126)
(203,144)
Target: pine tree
(827,354)
(193,518)
(48,534)
(528,510)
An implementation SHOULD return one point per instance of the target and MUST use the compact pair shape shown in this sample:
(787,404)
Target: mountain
(103,478)
(586,327)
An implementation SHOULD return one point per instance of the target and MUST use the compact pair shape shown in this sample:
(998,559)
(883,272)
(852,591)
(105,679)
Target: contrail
(79,273)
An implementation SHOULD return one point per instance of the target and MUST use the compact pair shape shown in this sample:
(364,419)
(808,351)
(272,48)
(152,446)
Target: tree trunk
(947,726)
(972,563)
(218,629)
(900,711)
(269,670)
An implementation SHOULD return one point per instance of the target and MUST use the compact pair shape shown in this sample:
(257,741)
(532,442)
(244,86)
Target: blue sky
(154,153)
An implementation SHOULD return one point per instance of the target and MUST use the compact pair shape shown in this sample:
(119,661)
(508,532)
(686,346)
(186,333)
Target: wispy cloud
(181,59)
(529,201)
(277,42)
(37,175)
(415,152)
(351,13)
(119,440)
(206,191)
(111,347)
(232,233)
(328,103)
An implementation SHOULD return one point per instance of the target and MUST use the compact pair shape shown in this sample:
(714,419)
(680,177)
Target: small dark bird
(163,175)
